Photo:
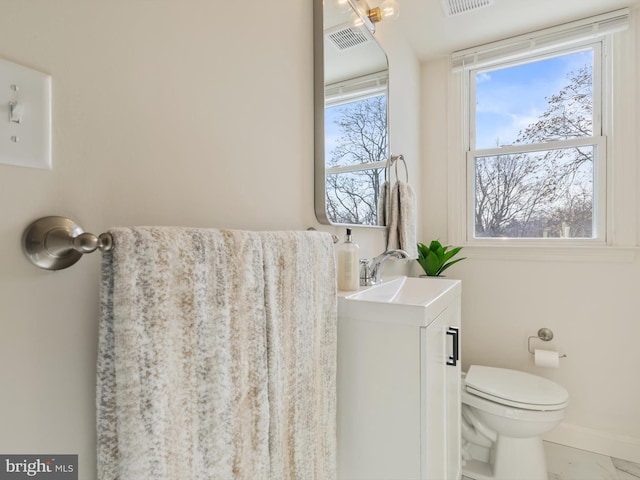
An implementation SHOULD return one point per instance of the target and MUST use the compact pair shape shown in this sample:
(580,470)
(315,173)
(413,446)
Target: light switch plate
(25,116)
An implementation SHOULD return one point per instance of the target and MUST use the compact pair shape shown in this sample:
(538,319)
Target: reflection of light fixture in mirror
(388,9)
(342,5)
(361,9)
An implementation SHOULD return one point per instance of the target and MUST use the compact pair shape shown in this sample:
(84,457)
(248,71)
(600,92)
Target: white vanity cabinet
(399,381)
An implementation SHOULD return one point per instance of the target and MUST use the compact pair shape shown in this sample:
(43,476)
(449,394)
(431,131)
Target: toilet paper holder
(544,334)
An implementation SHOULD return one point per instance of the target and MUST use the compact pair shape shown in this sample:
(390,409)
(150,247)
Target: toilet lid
(512,387)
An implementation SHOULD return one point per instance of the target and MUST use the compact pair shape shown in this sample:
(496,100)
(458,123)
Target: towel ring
(394,160)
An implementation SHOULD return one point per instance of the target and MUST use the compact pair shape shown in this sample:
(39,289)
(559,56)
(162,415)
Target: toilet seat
(516,389)
(508,412)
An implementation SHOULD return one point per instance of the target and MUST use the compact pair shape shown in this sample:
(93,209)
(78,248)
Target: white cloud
(483,77)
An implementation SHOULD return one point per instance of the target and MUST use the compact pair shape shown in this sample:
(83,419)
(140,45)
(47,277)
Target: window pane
(352,197)
(533,195)
(356,132)
(541,101)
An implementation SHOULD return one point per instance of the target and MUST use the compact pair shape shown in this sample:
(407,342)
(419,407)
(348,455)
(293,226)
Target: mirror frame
(319,200)
(320,203)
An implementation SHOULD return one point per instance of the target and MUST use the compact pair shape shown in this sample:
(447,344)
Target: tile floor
(566,463)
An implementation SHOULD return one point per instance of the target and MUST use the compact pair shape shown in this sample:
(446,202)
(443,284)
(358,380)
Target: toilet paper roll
(546,358)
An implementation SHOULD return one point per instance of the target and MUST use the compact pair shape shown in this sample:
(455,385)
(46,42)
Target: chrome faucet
(377,262)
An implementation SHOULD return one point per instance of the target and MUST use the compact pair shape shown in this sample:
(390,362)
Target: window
(356,148)
(537,151)
(536,134)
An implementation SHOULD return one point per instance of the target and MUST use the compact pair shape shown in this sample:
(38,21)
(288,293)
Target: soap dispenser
(348,262)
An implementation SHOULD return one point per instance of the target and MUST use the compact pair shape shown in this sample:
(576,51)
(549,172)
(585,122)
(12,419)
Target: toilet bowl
(504,415)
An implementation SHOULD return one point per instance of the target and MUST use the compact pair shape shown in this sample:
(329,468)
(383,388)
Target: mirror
(350,96)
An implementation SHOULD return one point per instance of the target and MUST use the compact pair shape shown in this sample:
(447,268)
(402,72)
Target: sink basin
(405,291)
(401,299)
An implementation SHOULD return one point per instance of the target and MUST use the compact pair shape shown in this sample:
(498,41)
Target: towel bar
(54,243)
(334,237)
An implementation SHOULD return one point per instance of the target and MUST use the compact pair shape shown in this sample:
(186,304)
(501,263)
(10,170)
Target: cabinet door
(441,394)
(453,384)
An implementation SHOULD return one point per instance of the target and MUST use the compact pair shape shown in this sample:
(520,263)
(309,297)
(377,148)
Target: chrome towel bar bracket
(334,237)
(54,243)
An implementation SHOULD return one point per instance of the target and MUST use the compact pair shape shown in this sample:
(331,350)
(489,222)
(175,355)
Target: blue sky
(331,130)
(510,99)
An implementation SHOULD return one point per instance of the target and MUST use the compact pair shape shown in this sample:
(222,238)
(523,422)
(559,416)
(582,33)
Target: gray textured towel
(402,219)
(383,204)
(217,356)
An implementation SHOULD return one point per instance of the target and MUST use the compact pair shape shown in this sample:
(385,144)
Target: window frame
(347,92)
(622,27)
(598,140)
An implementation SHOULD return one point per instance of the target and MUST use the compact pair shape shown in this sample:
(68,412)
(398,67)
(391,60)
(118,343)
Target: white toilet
(504,415)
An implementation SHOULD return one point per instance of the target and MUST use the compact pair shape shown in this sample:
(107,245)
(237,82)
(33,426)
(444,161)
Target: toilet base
(477,470)
(511,459)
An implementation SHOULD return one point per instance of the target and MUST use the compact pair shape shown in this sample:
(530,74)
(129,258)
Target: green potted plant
(436,258)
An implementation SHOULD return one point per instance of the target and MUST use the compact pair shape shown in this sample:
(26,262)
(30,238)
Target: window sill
(552,253)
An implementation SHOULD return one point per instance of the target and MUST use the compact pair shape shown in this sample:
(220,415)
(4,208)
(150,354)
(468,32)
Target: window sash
(356,95)
(597,83)
(599,190)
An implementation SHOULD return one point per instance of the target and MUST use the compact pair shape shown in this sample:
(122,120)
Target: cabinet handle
(455,333)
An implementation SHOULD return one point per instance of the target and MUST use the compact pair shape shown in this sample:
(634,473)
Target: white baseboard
(598,441)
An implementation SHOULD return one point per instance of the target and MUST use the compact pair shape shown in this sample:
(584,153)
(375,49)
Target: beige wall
(591,305)
(191,113)
(177,113)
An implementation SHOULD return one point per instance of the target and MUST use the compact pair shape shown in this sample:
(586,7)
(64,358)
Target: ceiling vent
(456,7)
(348,37)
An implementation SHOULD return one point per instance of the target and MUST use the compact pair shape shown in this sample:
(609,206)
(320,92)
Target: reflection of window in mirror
(356,148)
(351,103)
